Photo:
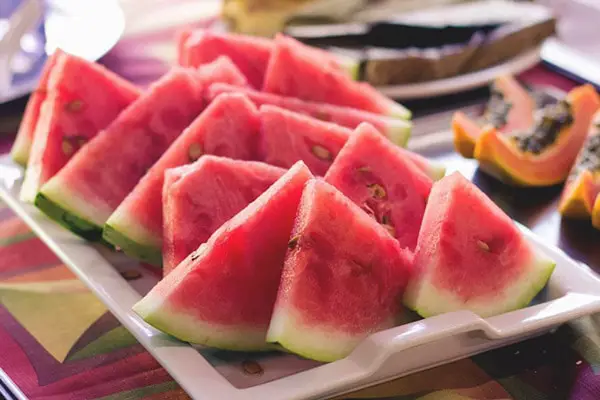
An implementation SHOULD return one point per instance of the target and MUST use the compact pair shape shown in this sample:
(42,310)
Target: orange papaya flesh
(579,195)
(465,132)
(583,184)
(509,108)
(544,155)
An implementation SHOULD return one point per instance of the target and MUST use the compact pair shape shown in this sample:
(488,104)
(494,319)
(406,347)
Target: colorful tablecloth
(57,341)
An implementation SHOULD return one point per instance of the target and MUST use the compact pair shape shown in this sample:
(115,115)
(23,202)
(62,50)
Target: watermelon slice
(294,73)
(222,295)
(91,186)
(222,70)
(343,278)
(471,256)
(22,145)
(199,198)
(250,54)
(384,182)
(287,137)
(83,98)
(228,127)
(396,130)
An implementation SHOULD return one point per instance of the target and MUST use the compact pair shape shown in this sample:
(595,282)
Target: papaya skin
(520,117)
(578,198)
(499,156)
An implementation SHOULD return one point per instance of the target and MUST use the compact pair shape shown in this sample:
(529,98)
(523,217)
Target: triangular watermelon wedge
(90,187)
(292,72)
(228,127)
(396,130)
(223,294)
(22,145)
(221,70)
(472,256)
(343,278)
(82,99)
(383,181)
(200,197)
(287,137)
(250,54)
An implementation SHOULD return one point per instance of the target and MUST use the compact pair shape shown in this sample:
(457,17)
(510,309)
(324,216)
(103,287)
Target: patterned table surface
(59,342)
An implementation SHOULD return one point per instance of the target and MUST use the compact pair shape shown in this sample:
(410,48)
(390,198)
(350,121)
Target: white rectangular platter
(573,291)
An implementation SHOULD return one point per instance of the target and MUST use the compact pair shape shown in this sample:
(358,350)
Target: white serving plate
(461,83)
(573,291)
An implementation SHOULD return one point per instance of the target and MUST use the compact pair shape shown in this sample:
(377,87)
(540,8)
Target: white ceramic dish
(461,83)
(573,291)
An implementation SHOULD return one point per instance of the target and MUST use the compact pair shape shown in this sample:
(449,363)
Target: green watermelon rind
(20,155)
(81,227)
(315,344)
(146,253)
(185,328)
(399,135)
(536,279)
(436,171)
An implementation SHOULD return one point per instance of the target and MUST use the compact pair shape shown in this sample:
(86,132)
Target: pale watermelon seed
(195,151)
(483,245)
(67,146)
(364,169)
(252,367)
(377,191)
(74,105)
(387,224)
(321,152)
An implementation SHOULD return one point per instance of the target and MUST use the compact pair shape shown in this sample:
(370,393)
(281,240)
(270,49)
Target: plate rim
(464,82)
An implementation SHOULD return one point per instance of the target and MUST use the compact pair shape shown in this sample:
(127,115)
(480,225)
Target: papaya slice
(544,154)
(583,184)
(510,108)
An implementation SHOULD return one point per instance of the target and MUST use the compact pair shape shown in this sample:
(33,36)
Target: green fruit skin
(166,322)
(72,222)
(399,135)
(546,269)
(148,254)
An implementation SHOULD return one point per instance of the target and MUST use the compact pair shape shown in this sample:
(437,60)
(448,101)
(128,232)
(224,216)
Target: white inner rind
(314,342)
(428,300)
(189,328)
(87,209)
(122,222)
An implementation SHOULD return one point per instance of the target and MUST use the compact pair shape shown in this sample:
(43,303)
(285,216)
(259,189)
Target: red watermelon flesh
(221,70)
(83,98)
(296,74)
(228,127)
(472,256)
(199,198)
(98,178)
(287,137)
(250,54)
(343,278)
(396,130)
(22,145)
(222,295)
(384,182)
(181,37)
